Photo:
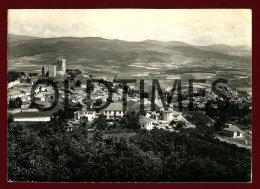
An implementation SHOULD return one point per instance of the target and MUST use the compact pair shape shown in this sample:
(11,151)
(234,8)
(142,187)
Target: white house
(78,115)
(13,94)
(116,97)
(114,110)
(233,131)
(146,123)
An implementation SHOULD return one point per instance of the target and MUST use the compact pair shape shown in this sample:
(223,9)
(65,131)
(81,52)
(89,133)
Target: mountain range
(119,51)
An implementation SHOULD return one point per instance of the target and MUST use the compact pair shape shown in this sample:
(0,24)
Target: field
(147,60)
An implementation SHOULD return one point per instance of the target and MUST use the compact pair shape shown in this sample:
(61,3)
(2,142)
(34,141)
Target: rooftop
(115,106)
(233,128)
(13,92)
(144,120)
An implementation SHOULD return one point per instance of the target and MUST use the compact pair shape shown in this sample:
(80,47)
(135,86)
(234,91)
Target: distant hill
(191,51)
(241,50)
(13,37)
(173,43)
(118,51)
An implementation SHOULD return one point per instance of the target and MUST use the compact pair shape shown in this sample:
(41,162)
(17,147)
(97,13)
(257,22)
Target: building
(32,119)
(146,123)
(233,131)
(114,110)
(13,94)
(44,103)
(12,84)
(159,106)
(116,97)
(166,115)
(53,70)
(177,116)
(44,95)
(61,67)
(45,71)
(90,115)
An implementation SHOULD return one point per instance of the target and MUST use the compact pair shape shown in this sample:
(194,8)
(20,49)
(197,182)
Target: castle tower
(63,66)
(45,71)
(167,115)
(52,71)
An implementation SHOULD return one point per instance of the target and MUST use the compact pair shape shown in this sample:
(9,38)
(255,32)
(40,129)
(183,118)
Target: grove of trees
(48,152)
(15,103)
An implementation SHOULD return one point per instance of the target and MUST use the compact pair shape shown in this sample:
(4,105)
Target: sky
(194,26)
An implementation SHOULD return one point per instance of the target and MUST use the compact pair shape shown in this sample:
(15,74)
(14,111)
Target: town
(235,128)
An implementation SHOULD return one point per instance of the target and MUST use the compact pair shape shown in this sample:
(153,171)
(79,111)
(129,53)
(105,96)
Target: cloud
(196,26)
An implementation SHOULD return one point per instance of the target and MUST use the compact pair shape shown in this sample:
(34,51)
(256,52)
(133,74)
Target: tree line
(48,152)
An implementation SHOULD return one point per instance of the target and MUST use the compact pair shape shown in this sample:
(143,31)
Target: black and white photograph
(129,95)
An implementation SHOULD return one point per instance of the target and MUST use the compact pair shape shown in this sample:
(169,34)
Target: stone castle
(58,69)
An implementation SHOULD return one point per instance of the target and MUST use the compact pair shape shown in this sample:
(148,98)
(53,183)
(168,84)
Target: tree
(220,122)
(72,76)
(78,83)
(98,136)
(100,122)
(32,74)
(59,120)
(43,152)
(146,95)
(15,103)
(19,101)
(130,120)
(98,102)
(12,76)
(79,105)
(10,118)
(179,125)
(172,123)
(31,105)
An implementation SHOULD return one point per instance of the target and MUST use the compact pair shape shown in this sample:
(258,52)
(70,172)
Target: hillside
(146,59)
(13,37)
(117,50)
